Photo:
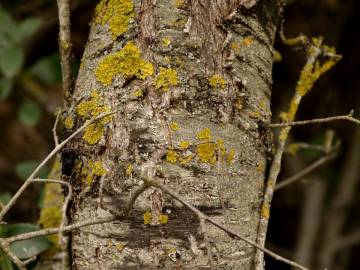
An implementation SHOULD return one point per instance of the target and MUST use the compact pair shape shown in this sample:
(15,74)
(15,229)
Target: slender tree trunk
(190,83)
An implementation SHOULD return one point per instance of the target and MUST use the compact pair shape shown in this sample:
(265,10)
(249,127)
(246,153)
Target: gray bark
(198,39)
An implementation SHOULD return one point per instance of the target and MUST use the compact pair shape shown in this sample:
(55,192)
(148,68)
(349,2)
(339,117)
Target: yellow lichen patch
(69,122)
(247,41)
(165,42)
(184,145)
(255,115)
(204,134)
(167,77)
(293,148)
(97,168)
(207,152)
(174,126)
(231,155)
(265,211)
(239,104)
(171,156)
(235,46)
(129,169)
(217,81)
(127,62)
(185,159)
(92,108)
(117,13)
(119,246)
(138,93)
(93,133)
(277,57)
(179,3)
(163,219)
(221,146)
(147,217)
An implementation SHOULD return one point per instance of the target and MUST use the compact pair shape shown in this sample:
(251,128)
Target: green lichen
(115,13)
(167,77)
(217,81)
(127,62)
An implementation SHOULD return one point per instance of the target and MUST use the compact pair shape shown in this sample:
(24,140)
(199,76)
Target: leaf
(29,113)
(5,262)
(5,197)
(5,88)
(27,28)
(47,69)
(25,168)
(7,24)
(26,249)
(11,61)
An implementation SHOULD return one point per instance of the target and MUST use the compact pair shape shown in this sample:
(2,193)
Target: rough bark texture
(190,110)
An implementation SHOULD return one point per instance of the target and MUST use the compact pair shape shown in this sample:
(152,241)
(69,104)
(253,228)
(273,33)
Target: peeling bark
(194,120)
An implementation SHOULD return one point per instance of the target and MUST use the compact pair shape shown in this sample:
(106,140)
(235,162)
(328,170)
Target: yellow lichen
(127,62)
(255,114)
(217,81)
(115,13)
(247,41)
(163,219)
(166,41)
(239,104)
(174,126)
(138,93)
(167,77)
(207,152)
(265,211)
(204,134)
(147,217)
(91,108)
(185,159)
(69,122)
(230,157)
(93,133)
(277,57)
(179,3)
(184,145)
(293,148)
(221,146)
(97,168)
(235,46)
(129,169)
(119,246)
(171,156)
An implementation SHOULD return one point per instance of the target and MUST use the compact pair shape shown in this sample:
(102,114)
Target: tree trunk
(190,83)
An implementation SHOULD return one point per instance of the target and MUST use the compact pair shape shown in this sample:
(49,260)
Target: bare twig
(231,233)
(56,139)
(65,46)
(65,204)
(67,228)
(348,117)
(47,158)
(313,166)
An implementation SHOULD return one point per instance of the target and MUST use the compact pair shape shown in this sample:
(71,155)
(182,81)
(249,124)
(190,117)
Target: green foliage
(5,88)
(47,69)
(5,198)
(25,168)
(29,113)
(12,35)
(24,249)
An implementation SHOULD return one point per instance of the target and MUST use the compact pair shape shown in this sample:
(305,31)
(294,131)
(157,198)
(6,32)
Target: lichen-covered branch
(320,58)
